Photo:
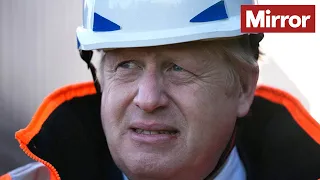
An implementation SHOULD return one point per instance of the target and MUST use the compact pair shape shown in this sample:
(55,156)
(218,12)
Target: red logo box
(278,18)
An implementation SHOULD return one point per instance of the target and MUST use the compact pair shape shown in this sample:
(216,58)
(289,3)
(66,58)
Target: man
(175,98)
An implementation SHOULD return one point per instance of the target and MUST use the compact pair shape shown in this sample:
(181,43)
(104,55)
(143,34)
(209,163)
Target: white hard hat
(111,24)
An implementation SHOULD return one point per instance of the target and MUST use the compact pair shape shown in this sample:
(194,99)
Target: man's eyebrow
(109,60)
(166,57)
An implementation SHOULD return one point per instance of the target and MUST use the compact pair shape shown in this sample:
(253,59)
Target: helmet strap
(87,56)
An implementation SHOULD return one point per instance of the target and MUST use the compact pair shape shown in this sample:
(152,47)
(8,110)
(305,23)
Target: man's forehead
(167,51)
(153,48)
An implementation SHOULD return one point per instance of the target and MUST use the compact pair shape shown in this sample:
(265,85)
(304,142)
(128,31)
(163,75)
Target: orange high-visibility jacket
(277,140)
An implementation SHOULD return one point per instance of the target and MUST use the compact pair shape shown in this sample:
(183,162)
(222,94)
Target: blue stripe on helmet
(102,24)
(78,42)
(213,13)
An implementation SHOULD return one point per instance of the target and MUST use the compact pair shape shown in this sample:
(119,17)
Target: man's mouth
(154,135)
(153,132)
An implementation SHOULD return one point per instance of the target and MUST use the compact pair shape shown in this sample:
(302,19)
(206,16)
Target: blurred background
(38,55)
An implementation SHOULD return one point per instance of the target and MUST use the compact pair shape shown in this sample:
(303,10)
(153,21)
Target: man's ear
(247,93)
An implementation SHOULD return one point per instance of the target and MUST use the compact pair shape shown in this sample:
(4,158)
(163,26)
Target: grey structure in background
(37,55)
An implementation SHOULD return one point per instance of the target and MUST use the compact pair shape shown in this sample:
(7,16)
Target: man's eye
(127,65)
(177,68)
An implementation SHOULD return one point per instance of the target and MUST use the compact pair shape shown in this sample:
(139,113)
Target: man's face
(165,111)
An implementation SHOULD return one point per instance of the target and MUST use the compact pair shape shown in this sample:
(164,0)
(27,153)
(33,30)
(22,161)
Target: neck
(223,159)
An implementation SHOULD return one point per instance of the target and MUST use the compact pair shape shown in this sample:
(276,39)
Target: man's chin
(149,171)
(149,166)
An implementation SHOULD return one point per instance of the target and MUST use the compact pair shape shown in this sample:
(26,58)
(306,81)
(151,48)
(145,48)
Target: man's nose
(151,95)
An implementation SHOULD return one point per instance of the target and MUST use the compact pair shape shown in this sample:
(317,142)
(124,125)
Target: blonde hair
(241,56)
